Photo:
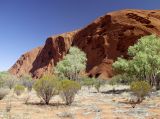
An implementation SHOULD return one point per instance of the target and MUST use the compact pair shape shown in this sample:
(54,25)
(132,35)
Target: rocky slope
(41,60)
(105,39)
(24,63)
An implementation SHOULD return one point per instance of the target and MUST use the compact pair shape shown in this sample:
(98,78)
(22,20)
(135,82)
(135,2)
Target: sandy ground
(87,105)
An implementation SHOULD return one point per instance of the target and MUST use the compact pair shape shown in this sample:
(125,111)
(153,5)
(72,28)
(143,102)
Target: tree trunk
(157,84)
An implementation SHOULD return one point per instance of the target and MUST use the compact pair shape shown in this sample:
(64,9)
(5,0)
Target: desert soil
(88,104)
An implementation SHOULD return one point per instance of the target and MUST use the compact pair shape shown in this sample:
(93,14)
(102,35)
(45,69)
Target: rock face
(103,41)
(24,63)
(42,60)
(53,51)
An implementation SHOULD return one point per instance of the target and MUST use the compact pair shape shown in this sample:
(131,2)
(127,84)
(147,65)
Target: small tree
(19,89)
(140,89)
(72,64)
(46,87)
(11,81)
(68,90)
(144,63)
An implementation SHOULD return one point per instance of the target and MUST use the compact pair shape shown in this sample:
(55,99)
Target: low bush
(140,89)
(98,83)
(92,82)
(69,89)
(10,82)
(1,83)
(120,79)
(86,81)
(46,87)
(7,80)
(19,89)
(3,93)
(27,81)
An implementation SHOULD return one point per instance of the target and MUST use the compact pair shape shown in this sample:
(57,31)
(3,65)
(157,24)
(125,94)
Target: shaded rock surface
(105,39)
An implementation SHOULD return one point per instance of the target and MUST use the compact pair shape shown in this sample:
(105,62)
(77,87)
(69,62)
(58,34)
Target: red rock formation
(103,41)
(54,50)
(42,60)
(24,63)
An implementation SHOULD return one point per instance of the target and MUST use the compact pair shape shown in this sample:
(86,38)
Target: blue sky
(25,24)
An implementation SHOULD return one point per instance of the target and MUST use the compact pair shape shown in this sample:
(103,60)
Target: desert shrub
(7,80)
(86,81)
(98,83)
(120,79)
(1,80)
(1,83)
(27,81)
(4,75)
(3,93)
(19,89)
(68,90)
(140,89)
(113,82)
(46,87)
(10,82)
(92,82)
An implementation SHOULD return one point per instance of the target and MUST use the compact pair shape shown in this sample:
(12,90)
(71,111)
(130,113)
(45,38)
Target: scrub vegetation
(140,73)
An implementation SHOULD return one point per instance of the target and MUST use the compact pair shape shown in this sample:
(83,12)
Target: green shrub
(3,93)
(11,81)
(27,81)
(46,87)
(68,90)
(1,83)
(92,82)
(7,80)
(86,81)
(120,79)
(19,89)
(140,89)
(144,63)
(98,83)
(4,75)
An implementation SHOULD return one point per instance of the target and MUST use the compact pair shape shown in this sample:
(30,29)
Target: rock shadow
(43,104)
(116,91)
